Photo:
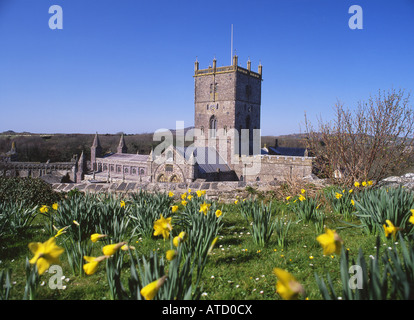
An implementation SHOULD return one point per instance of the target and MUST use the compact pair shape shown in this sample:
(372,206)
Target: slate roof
(207,159)
(284,151)
(127,157)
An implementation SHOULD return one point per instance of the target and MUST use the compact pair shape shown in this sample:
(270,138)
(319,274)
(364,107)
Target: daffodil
(171,254)
(45,254)
(204,208)
(352,202)
(189,190)
(190,197)
(330,241)
(122,203)
(180,238)
(411,219)
(96,236)
(61,231)
(163,227)
(338,195)
(170,194)
(287,286)
(174,209)
(356,184)
(92,264)
(126,247)
(150,291)
(351,190)
(287,198)
(55,206)
(390,229)
(218,213)
(77,223)
(199,193)
(370,183)
(302,191)
(364,183)
(236,201)
(111,249)
(184,203)
(184,195)
(302,198)
(213,243)
(44,209)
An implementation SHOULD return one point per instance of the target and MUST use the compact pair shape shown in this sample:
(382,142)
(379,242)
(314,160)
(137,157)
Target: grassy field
(237,267)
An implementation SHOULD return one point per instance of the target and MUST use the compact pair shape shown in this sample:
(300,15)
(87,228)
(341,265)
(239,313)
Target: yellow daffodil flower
(287,198)
(204,208)
(190,197)
(330,241)
(236,201)
(287,286)
(184,195)
(171,254)
(150,291)
(302,198)
(353,202)
(174,209)
(212,245)
(44,209)
(338,195)
(111,249)
(302,191)
(351,190)
(163,227)
(411,219)
(96,236)
(370,183)
(55,206)
(92,264)
(77,223)
(356,184)
(184,203)
(390,229)
(170,194)
(364,183)
(178,239)
(61,231)
(199,193)
(122,203)
(45,254)
(218,213)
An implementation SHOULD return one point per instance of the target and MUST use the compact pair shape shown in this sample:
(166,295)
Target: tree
(366,144)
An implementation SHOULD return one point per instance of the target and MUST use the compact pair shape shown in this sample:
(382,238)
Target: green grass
(237,268)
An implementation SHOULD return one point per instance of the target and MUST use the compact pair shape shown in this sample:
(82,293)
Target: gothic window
(105,167)
(202,130)
(118,169)
(134,170)
(112,168)
(168,168)
(213,126)
(141,171)
(162,178)
(126,170)
(174,178)
(241,178)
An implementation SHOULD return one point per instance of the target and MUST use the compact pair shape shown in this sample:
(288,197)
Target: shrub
(33,191)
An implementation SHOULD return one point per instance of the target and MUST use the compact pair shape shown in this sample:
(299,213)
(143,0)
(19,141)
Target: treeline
(62,147)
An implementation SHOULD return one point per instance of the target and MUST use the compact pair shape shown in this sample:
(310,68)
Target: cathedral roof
(127,157)
(207,159)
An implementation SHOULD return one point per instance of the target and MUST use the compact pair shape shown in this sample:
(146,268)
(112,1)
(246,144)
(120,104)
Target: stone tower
(122,148)
(227,100)
(96,152)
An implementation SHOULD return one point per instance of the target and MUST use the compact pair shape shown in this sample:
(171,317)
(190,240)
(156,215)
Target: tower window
(213,126)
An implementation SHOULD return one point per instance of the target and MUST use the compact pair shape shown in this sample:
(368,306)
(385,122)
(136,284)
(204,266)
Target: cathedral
(227,144)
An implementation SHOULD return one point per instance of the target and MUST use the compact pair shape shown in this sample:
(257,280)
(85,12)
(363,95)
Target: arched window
(213,126)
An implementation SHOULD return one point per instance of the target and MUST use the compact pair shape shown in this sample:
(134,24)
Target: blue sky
(128,65)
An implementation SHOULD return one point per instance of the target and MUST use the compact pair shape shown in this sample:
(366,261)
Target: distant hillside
(61,147)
